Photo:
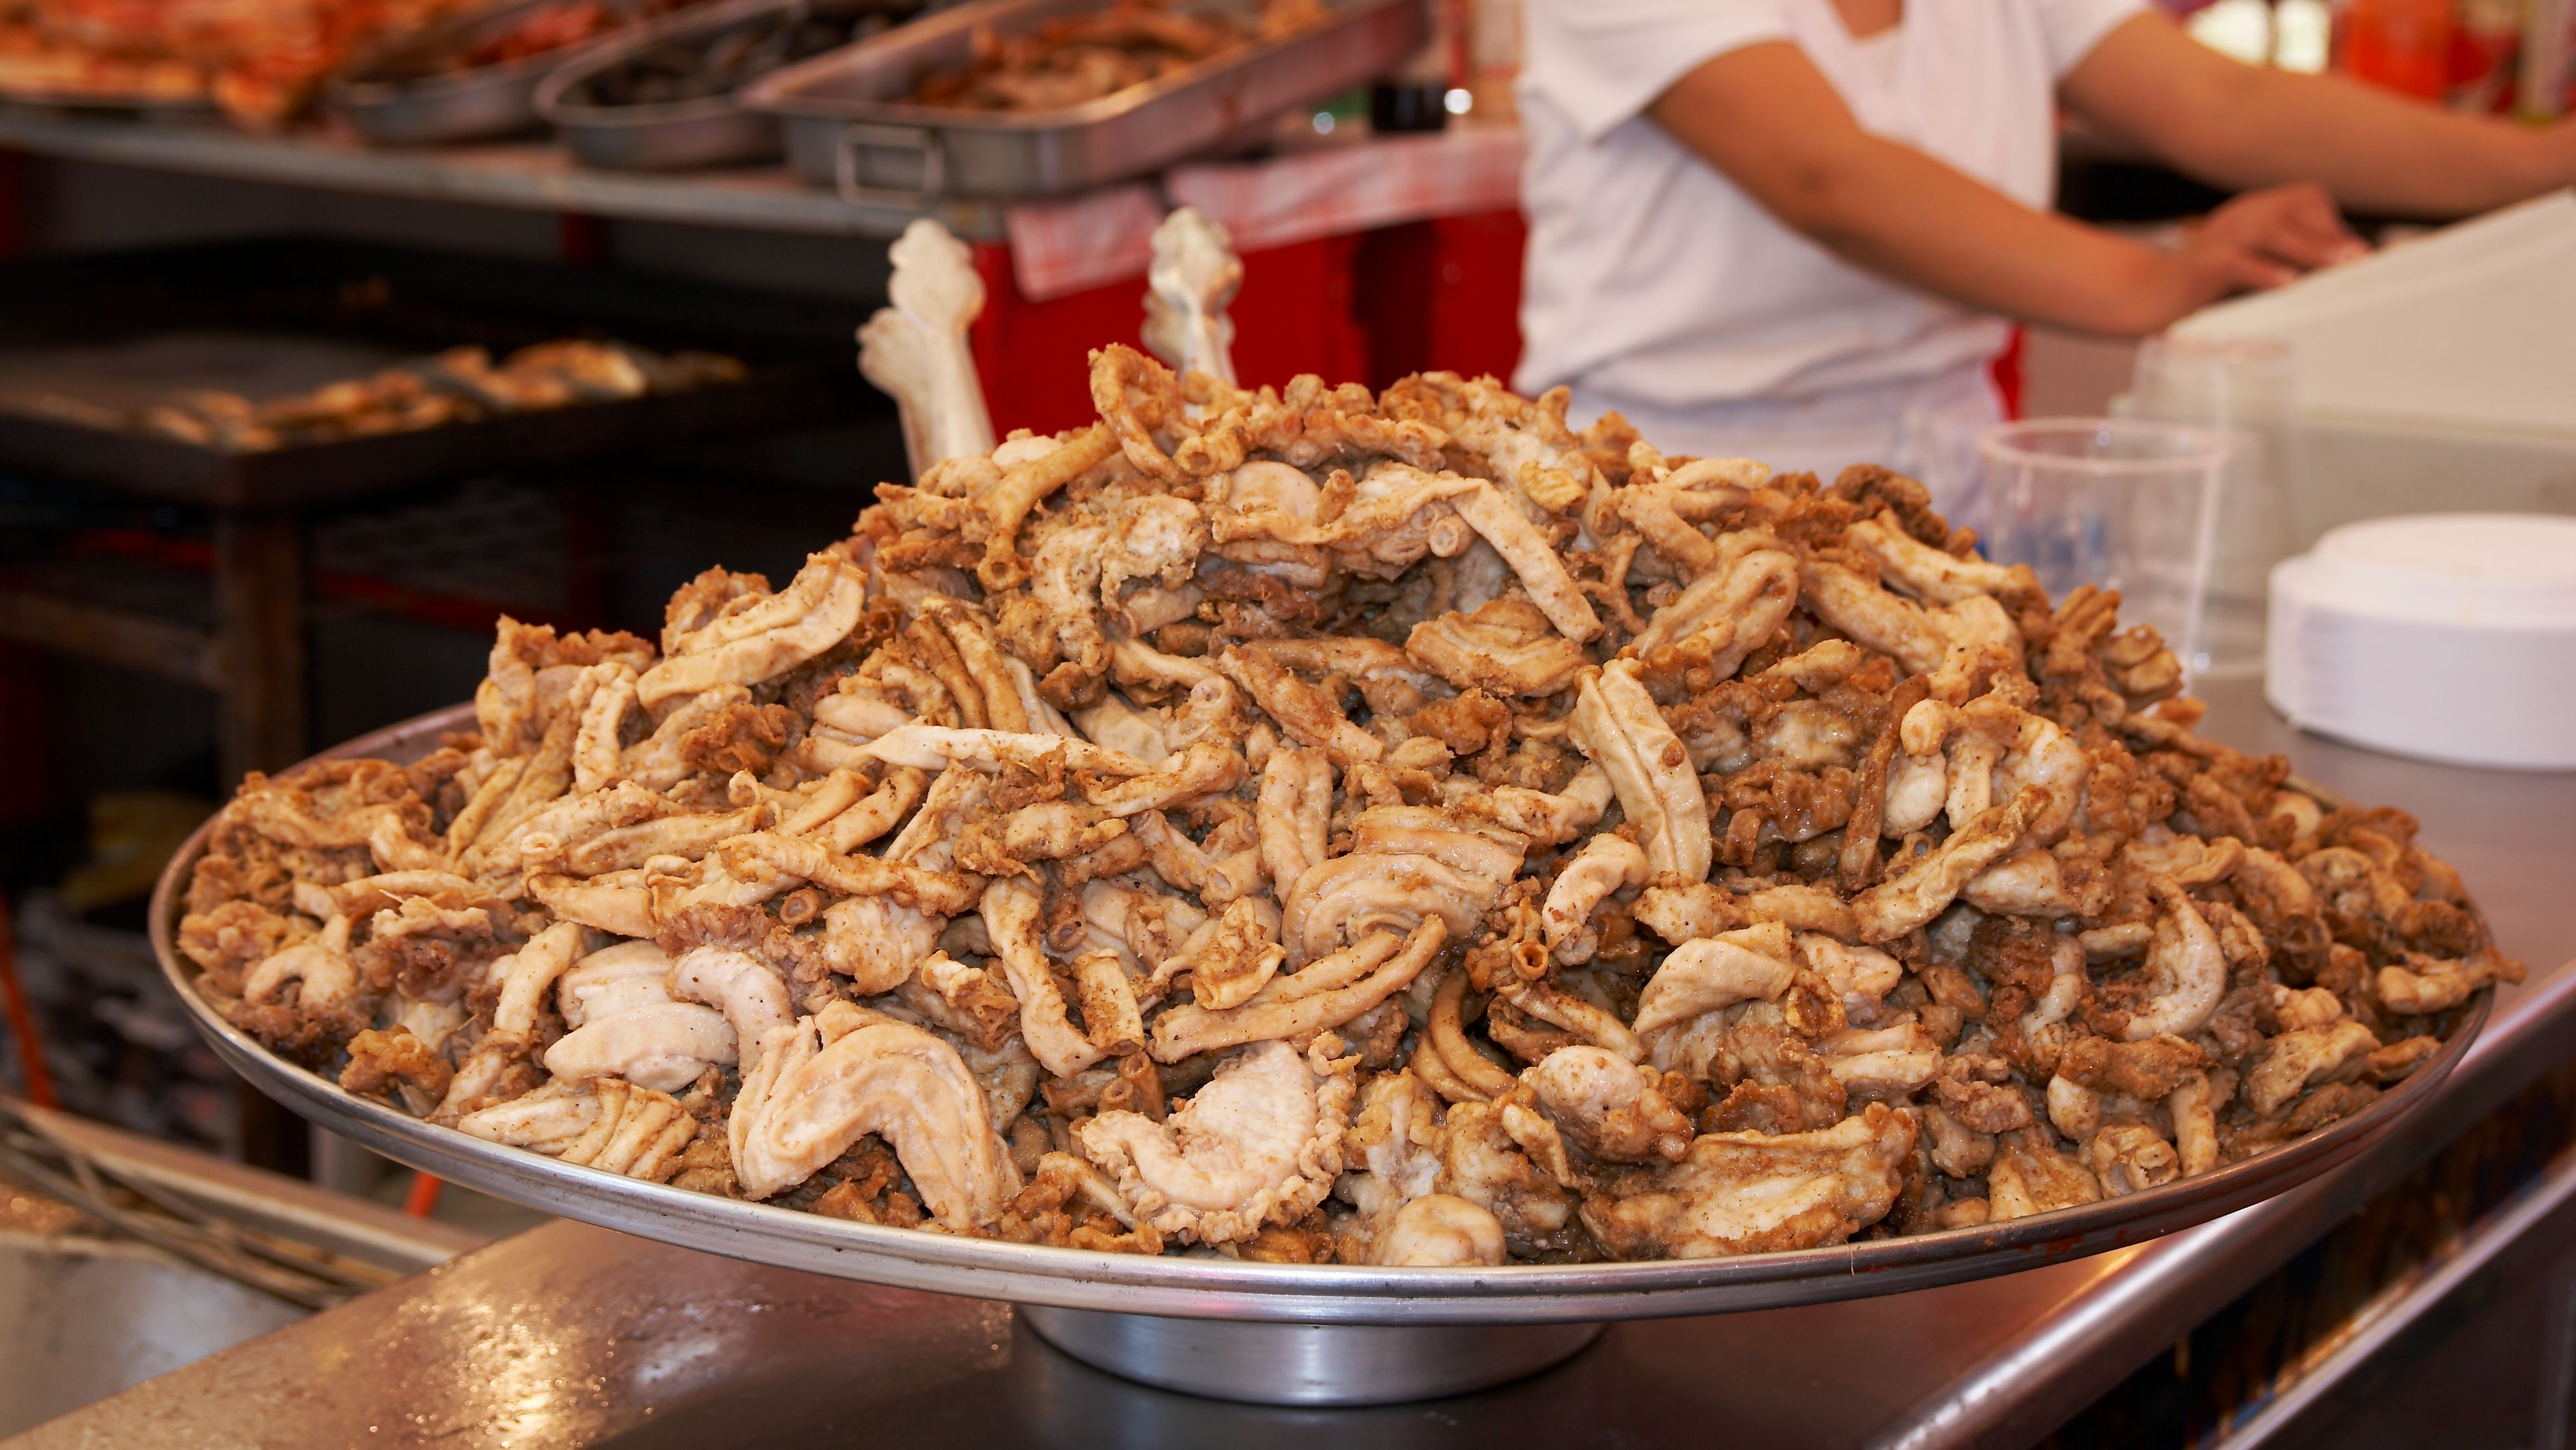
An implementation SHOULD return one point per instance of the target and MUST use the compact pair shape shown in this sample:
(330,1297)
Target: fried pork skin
(808,1102)
(1750,1193)
(1301,824)
(1260,1144)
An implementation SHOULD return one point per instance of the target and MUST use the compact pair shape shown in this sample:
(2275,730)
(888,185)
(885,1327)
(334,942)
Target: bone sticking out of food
(1194,275)
(915,350)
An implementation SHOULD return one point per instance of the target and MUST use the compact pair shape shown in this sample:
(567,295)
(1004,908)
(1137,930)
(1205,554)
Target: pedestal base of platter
(1307,1364)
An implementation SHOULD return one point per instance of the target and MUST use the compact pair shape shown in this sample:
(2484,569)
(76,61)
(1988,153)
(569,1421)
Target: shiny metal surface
(379,95)
(86,1312)
(849,127)
(571,1336)
(1216,1288)
(84,1318)
(1308,1364)
(562,1336)
(678,136)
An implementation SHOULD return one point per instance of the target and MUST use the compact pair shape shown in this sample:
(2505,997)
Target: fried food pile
(460,385)
(1080,58)
(1328,827)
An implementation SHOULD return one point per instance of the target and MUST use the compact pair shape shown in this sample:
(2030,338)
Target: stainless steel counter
(571,1335)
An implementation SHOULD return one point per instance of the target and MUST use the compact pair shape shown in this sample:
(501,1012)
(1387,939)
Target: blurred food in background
(260,60)
(131,833)
(1081,58)
(718,65)
(553,27)
(460,385)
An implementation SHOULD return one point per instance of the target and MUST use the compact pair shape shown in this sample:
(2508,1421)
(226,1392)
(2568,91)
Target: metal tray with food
(473,76)
(665,98)
(855,120)
(1691,921)
(42,66)
(1263,1331)
(107,360)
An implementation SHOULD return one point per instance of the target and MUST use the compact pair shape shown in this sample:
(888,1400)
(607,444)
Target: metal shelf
(522,175)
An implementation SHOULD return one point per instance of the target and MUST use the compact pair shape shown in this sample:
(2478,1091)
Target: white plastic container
(2448,637)
(2464,328)
(2126,503)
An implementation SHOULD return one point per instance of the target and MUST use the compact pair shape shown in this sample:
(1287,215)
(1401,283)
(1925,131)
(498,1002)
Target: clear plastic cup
(2246,388)
(2125,503)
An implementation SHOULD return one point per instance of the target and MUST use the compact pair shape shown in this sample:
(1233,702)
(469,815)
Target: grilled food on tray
(36,63)
(722,64)
(1379,829)
(461,385)
(261,60)
(1080,58)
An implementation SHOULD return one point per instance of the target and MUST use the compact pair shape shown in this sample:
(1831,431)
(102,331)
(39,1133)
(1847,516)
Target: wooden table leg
(261,718)
(259,626)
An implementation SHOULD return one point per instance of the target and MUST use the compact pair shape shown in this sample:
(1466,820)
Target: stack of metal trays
(400,95)
(850,124)
(682,133)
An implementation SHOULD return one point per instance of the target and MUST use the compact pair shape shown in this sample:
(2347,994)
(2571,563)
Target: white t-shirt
(1656,286)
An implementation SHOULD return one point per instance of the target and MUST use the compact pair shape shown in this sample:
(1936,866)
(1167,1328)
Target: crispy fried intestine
(1393,829)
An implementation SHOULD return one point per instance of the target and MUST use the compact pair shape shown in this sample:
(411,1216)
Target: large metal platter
(1218,1288)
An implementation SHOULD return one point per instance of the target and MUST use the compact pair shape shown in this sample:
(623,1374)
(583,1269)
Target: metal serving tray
(384,95)
(1290,1333)
(849,127)
(168,110)
(380,301)
(675,136)
(679,136)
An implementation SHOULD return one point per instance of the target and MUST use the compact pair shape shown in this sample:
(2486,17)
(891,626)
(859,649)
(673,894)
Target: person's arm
(1768,119)
(2238,126)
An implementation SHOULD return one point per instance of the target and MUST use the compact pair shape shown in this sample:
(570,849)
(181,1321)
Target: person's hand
(2266,238)
(2559,139)
(2258,241)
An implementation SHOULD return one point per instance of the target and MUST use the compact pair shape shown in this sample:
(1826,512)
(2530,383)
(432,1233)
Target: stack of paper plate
(2446,636)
